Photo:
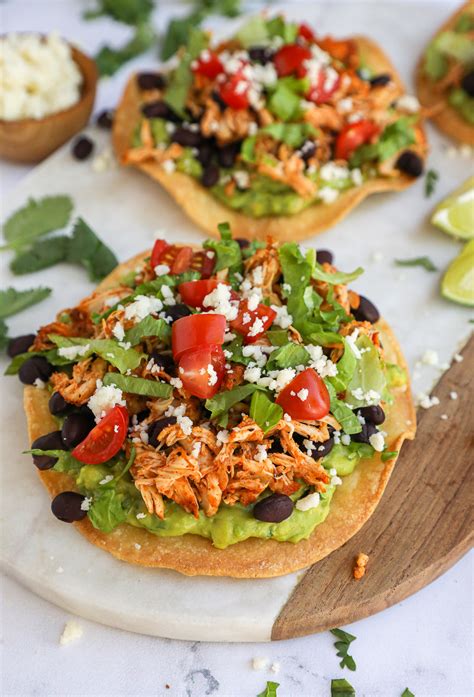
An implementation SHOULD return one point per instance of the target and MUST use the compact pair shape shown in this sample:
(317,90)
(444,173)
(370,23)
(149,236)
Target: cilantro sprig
(431,180)
(341,688)
(13,301)
(342,645)
(425,262)
(270,689)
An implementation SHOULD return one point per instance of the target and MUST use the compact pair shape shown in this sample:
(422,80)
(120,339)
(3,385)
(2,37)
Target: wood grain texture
(422,526)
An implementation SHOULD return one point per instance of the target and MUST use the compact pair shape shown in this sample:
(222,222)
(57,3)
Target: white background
(424,643)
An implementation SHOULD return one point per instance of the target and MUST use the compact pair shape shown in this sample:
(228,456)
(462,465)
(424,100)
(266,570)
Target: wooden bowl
(31,140)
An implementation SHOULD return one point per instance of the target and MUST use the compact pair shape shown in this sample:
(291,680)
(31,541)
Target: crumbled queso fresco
(38,76)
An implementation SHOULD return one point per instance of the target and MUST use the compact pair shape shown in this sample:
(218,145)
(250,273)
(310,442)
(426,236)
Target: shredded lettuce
(396,136)
(141,386)
(51,356)
(369,375)
(220,404)
(346,367)
(108,349)
(264,412)
(349,422)
(229,255)
(180,80)
(149,326)
(288,356)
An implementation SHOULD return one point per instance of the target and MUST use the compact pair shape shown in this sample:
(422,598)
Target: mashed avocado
(118,501)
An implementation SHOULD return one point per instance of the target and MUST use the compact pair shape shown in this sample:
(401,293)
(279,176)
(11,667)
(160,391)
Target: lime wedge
(458,281)
(455,215)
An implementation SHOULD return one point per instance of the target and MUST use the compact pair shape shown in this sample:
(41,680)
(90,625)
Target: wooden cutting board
(422,526)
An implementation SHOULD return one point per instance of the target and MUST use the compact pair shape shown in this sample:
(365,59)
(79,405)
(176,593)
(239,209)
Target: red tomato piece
(352,136)
(324,88)
(158,250)
(245,321)
(289,59)
(194,292)
(202,370)
(208,64)
(306,397)
(204,262)
(305,31)
(195,331)
(105,439)
(234,92)
(177,258)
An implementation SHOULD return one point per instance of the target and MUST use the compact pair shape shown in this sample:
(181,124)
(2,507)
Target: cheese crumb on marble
(430,357)
(259,662)
(72,632)
(275,667)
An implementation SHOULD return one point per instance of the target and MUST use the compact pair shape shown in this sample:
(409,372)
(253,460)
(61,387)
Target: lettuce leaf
(264,412)
(220,404)
(108,349)
(368,375)
(141,386)
(396,136)
(288,356)
(349,422)
(346,367)
(181,78)
(229,255)
(149,326)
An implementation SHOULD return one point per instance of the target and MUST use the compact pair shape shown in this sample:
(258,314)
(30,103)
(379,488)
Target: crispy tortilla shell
(446,117)
(352,504)
(206,211)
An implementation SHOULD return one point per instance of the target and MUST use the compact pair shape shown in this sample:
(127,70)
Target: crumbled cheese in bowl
(38,76)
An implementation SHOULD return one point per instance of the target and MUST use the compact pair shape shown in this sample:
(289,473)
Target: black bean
(243,244)
(368,430)
(177,311)
(67,506)
(159,110)
(276,446)
(187,138)
(50,441)
(467,83)
(82,148)
(373,414)
(273,508)
(151,81)
(324,256)
(260,54)
(155,428)
(105,119)
(206,153)
(143,414)
(76,427)
(307,150)
(210,175)
(164,360)
(323,449)
(34,368)
(366,312)
(410,163)
(20,344)
(58,405)
(227,155)
(216,97)
(380,80)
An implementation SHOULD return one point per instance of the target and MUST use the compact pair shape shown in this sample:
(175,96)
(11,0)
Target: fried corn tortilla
(446,117)
(352,505)
(207,212)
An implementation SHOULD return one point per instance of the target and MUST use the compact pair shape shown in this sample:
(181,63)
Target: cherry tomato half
(158,250)
(105,439)
(202,370)
(306,397)
(204,262)
(208,64)
(289,59)
(245,320)
(193,331)
(352,136)
(305,31)
(323,89)
(234,92)
(194,292)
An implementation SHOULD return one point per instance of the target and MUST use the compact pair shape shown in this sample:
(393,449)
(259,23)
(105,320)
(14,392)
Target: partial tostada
(230,410)
(445,76)
(275,130)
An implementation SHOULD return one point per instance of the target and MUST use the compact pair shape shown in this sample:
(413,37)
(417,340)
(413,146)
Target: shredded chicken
(82,385)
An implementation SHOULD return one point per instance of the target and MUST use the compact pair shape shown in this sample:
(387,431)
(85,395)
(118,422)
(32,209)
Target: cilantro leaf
(4,339)
(41,255)
(87,249)
(220,404)
(264,412)
(270,690)
(130,12)
(342,646)
(388,455)
(425,262)
(341,688)
(431,180)
(109,60)
(36,218)
(406,693)
(13,301)
(141,386)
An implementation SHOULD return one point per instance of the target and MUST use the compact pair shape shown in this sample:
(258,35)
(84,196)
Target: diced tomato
(289,59)
(194,331)
(352,136)
(177,258)
(208,64)
(234,92)
(194,292)
(105,439)
(245,320)
(305,31)
(306,397)
(202,370)
(325,87)
(158,250)
(204,262)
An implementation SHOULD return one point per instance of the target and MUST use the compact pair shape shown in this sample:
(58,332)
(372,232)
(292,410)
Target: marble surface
(410,644)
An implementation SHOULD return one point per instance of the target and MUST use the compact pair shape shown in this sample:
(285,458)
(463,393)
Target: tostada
(232,410)
(276,130)
(445,76)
